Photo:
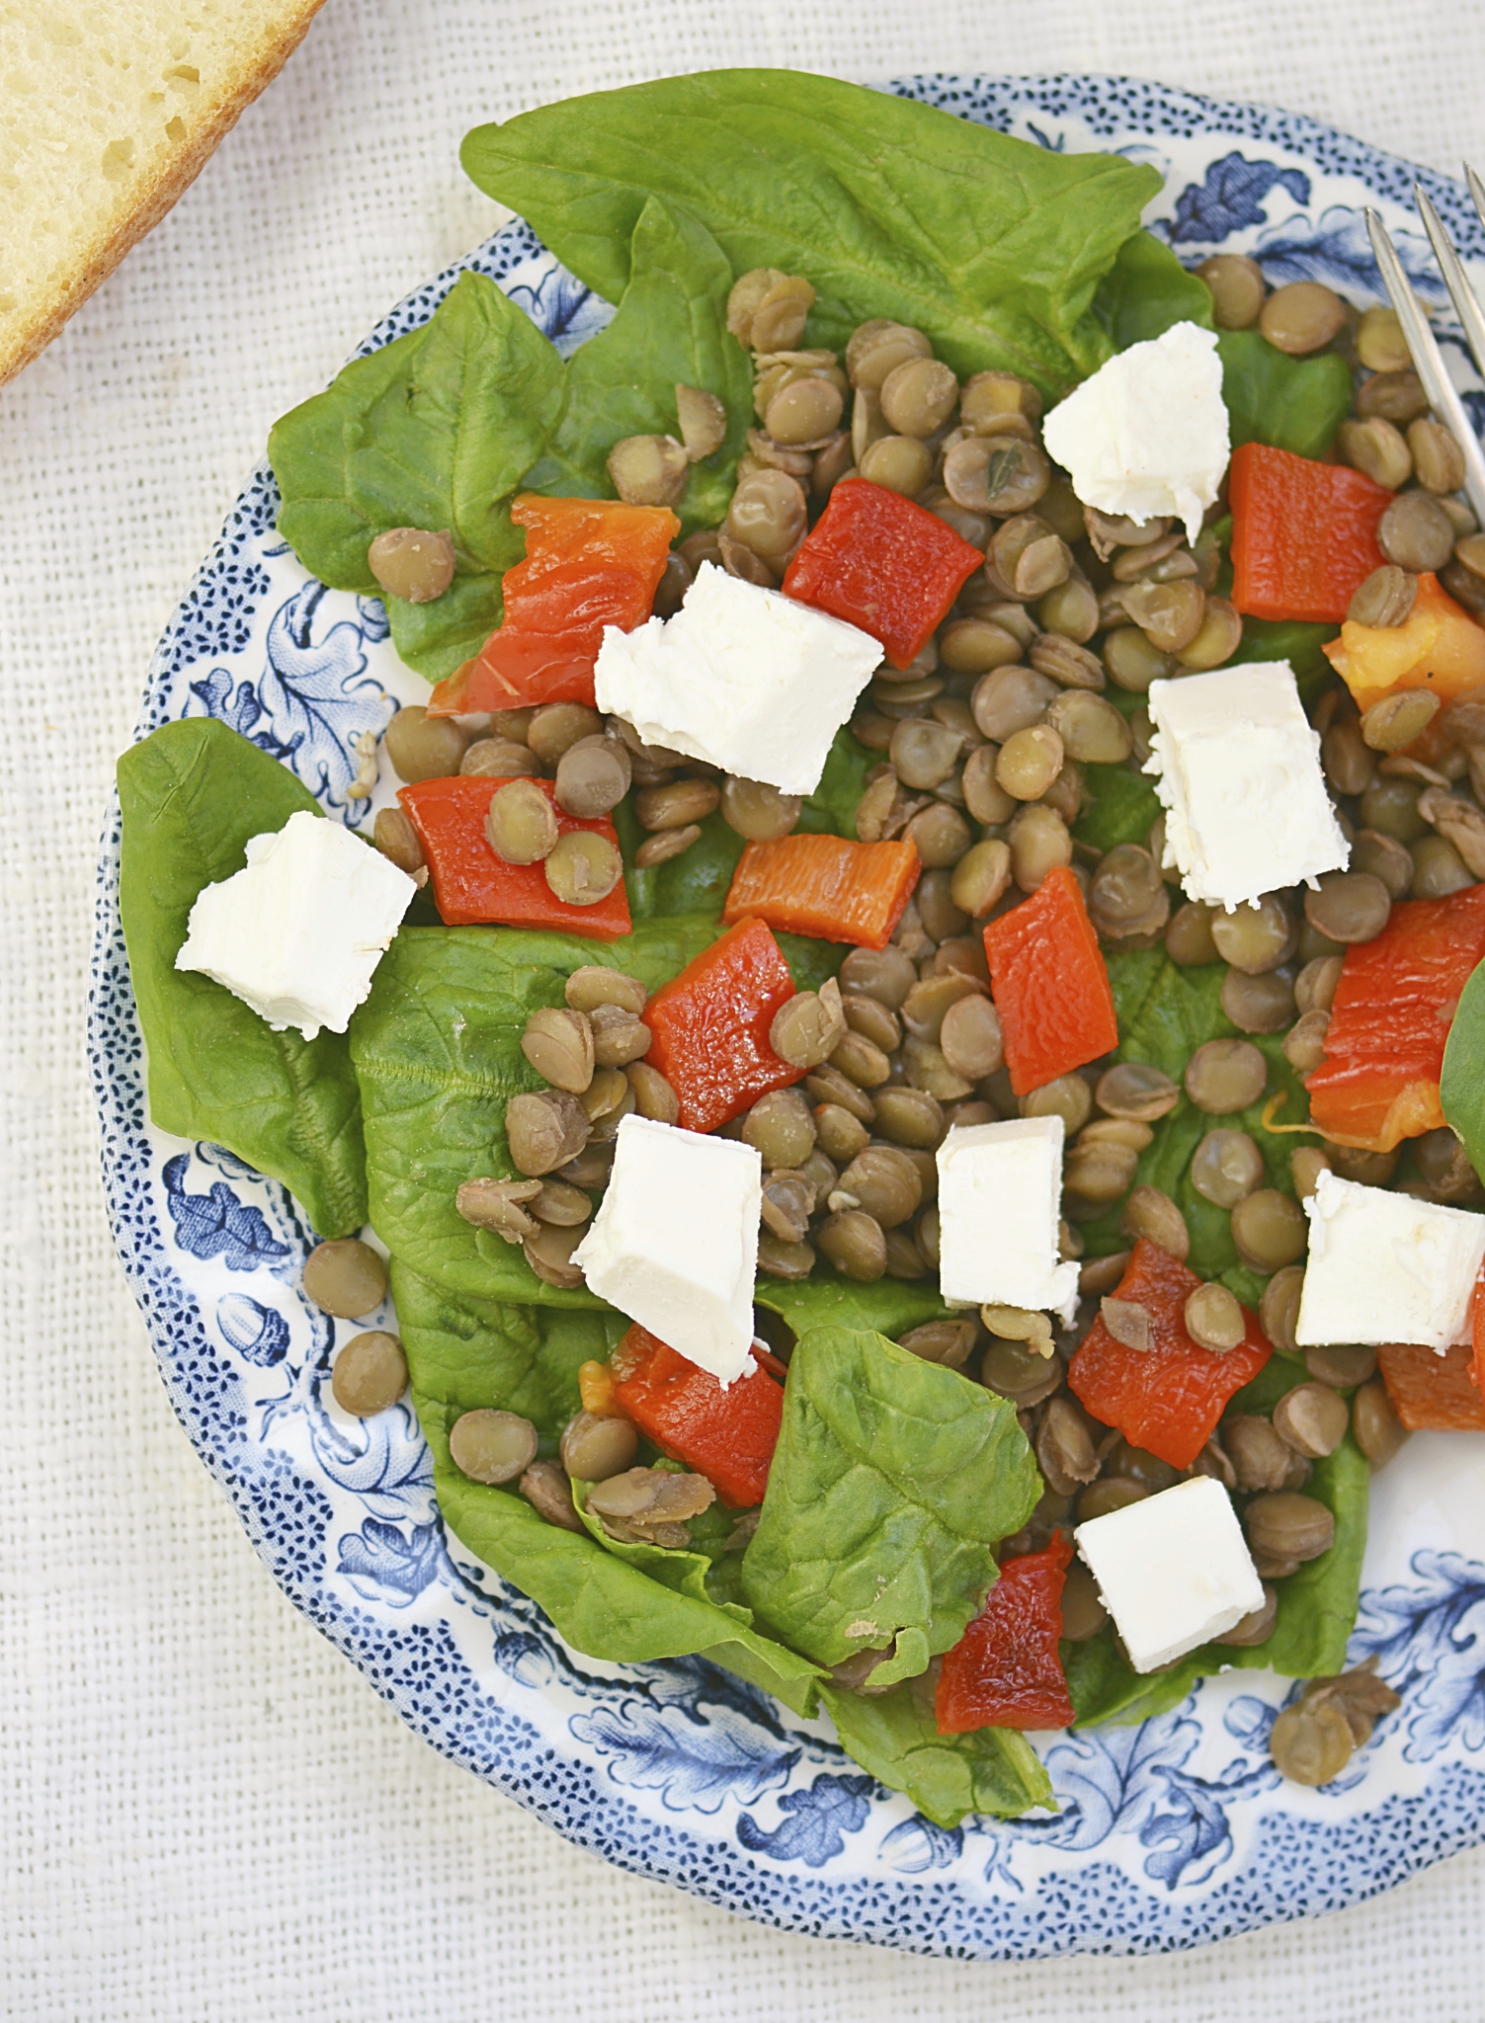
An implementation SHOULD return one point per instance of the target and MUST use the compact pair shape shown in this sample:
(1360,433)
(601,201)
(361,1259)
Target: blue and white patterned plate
(1169,1834)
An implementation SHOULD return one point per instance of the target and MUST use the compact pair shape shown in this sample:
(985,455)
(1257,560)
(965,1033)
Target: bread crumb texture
(108,109)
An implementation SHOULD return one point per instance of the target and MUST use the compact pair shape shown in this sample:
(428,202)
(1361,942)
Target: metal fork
(1443,396)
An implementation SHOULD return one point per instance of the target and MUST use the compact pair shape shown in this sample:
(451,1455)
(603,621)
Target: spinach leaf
(831,809)
(892,1481)
(1147,290)
(466,1354)
(670,328)
(1165,1013)
(1462,1084)
(991,246)
(1289,403)
(1317,1610)
(993,1770)
(682,1571)
(1124,808)
(1291,639)
(193,794)
(889,1307)
(434,430)
(437,1052)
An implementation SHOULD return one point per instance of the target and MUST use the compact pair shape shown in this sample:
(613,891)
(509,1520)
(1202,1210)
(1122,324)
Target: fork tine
(1440,389)
(1466,305)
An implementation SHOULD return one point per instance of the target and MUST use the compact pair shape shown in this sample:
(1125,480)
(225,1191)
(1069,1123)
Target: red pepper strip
(589,563)
(1169,1397)
(884,564)
(825,886)
(471,884)
(711,1026)
(727,1436)
(1431,1393)
(1051,984)
(1304,535)
(1378,1082)
(1005,1671)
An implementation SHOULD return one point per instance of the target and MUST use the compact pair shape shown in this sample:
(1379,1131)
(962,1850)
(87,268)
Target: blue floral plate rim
(1173,1833)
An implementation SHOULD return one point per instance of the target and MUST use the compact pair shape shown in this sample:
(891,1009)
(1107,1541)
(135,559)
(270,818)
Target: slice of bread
(108,109)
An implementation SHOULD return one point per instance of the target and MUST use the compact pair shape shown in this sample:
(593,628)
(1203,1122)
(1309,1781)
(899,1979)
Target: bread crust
(157,196)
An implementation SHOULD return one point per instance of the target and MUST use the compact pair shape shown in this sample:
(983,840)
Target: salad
(908,1034)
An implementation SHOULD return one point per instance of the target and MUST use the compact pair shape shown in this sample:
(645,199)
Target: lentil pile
(982,747)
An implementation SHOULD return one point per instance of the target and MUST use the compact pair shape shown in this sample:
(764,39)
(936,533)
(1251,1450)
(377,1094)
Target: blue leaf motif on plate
(562,308)
(316,697)
(1230,196)
(1429,1642)
(255,1332)
(1107,1778)
(1338,251)
(1189,1831)
(691,1763)
(384,1460)
(382,1565)
(240,710)
(817,1822)
(218,1224)
(917,1845)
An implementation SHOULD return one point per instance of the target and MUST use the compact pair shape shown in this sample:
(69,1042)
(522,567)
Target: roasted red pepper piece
(1304,534)
(589,563)
(1168,1398)
(1384,1047)
(711,1025)
(1431,1393)
(825,886)
(1050,983)
(471,884)
(726,1435)
(1005,1671)
(884,564)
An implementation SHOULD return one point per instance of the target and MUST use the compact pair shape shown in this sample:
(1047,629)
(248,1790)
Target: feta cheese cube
(1147,435)
(298,933)
(674,1244)
(1237,768)
(1386,1268)
(999,1199)
(747,679)
(1174,1570)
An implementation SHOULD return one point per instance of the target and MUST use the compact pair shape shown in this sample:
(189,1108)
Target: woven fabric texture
(207,1814)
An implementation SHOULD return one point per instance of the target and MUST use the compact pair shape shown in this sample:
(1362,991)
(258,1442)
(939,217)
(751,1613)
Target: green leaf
(889,1307)
(892,1481)
(437,1052)
(464,1355)
(1124,809)
(193,794)
(1294,640)
(1165,1013)
(696,882)
(993,1770)
(990,245)
(1317,1611)
(831,809)
(674,1567)
(1147,290)
(1289,403)
(1462,1083)
(670,329)
(434,430)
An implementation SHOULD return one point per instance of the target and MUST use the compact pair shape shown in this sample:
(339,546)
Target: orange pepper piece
(710,1027)
(1378,1082)
(1432,1393)
(825,886)
(1438,646)
(1167,1398)
(1051,984)
(471,884)
(1304,534)
(589,563)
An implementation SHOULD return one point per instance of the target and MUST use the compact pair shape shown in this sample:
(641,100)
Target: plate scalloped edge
(1172,1834)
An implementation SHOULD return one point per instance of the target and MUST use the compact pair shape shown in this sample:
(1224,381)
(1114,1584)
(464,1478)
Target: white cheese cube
(747,679)
(1147,435)
(1174,1570)
(674,1244)
(299,932)
(1386,1268)
(1237,768)
(999,1199)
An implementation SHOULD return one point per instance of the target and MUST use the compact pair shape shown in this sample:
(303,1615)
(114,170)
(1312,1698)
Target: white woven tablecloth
(205,1812)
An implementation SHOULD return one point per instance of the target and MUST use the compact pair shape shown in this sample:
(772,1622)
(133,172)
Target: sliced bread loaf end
(108,110)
